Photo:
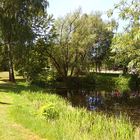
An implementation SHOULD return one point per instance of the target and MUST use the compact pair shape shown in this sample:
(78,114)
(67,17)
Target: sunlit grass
(53,118)
(69,123)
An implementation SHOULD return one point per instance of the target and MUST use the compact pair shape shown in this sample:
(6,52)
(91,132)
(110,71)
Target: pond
(111,103)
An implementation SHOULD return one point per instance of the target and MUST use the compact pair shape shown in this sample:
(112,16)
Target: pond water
(112,102)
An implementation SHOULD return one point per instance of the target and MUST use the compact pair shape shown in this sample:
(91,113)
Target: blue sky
(61,7)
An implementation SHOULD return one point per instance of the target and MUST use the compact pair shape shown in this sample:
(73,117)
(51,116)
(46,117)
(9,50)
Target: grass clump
(49,111)
(51,117)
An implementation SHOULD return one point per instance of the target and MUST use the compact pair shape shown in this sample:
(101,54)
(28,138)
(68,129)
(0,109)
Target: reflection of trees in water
(110,102)
(107,102)
(102,99)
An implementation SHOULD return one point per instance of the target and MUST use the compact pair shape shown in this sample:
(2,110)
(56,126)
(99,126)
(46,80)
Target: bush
(105,82)
(39,83)
(122,83)
(134,82)
(86,82)
(109,82)
(49,111)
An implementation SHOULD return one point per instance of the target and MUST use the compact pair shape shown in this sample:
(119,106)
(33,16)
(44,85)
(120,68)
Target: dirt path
(8,129)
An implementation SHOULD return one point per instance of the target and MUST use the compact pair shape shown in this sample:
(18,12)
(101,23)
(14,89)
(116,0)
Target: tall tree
(101,48)
(126,46)
(16,25)
(31,59)
(77,35)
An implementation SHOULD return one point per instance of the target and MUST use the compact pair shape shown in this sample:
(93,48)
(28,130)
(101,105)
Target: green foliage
(100,82)
(134,83)
(3,59)
(77,35)
(110,82)
(85,82)
(19,27)
(122,83)
(105,81)
(36,63)
(125,46)
(49,111)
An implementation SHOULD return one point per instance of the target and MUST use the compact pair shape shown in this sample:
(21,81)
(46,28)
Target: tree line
(36,45)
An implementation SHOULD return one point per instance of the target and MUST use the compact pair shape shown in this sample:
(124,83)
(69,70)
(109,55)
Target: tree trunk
(10,61)
(99,67)
(125,70)
(96,66)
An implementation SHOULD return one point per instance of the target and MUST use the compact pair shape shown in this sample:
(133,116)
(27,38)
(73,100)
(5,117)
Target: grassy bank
(53,118)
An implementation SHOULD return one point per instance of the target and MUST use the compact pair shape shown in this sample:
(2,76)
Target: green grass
(53,118)
(9,129)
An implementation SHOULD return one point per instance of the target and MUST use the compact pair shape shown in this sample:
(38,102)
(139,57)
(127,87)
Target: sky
(61,7)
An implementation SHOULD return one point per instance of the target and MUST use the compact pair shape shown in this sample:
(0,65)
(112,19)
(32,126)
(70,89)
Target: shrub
(49,111)
(39,83)
(81,82)
(122,83)
(105,82)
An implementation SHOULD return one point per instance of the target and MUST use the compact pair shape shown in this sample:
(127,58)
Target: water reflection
(93,102)
(109,102)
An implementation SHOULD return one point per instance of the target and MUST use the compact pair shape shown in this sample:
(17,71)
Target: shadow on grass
(4,103)
(18,87)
